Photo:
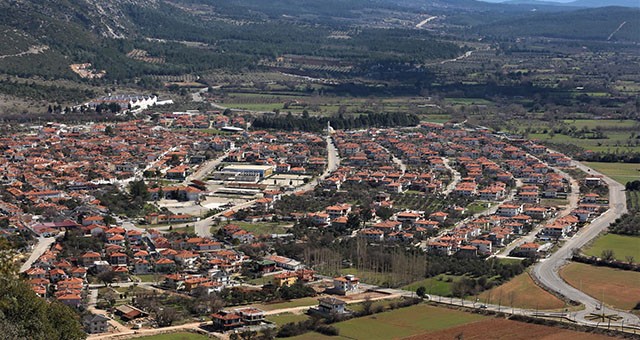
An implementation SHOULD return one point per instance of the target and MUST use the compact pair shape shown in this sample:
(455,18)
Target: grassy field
(615,141)
(374,304)
(617,288)
(554,202)
(150,277)
(621,172)
(367,276)
(604,124)
(400,323)
(478,207)
(621,245)
(308,301)
(436,285)
(524,292)
(184,230)
(175,336)
(262,228)
(285,318)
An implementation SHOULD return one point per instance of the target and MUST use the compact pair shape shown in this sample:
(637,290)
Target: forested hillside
(589,24)
(73,33)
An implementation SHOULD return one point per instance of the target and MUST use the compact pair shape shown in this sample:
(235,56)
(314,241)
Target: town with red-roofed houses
(143,226)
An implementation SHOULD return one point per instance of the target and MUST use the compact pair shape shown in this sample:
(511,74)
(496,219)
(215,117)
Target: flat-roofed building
(244,173)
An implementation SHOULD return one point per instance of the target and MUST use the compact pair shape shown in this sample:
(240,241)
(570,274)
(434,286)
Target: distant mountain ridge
(597,24)
(599,3)
(49,35)
(576,3)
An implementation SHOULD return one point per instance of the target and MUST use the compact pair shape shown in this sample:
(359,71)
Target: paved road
(574,198)
(42,246)
(489,211)
(546,272)
(205,169)
(333,161)
(396,160)
(454,181)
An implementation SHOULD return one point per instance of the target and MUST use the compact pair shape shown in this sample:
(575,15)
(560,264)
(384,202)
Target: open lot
(506,330)
(622,246)
(521,292)
(308,301)
(285,318)
(621,172)
(437,285)
(262,228)
(368,276)
(618,288)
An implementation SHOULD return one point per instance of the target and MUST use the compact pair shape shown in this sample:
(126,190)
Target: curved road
(546,272)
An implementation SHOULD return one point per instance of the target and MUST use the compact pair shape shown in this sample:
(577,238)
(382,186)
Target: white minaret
(329,128)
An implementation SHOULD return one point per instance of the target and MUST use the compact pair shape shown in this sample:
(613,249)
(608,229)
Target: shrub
(328,330)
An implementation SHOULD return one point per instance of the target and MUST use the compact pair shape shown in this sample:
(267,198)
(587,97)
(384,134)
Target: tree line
(340,122)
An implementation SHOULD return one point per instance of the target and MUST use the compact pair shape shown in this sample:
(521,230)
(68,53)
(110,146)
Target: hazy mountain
(576,3)
(600,3)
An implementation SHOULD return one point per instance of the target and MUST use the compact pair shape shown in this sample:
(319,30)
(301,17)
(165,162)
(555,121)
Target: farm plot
(502,329)
(521,292)
(617,288)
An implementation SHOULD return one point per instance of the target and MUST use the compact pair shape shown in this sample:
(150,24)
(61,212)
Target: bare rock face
(107,18)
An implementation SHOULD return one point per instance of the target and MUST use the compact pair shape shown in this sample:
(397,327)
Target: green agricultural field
(175,336)
(616,141)
(404,322)
(621,172)
(604,124)
(622,246)
(370,277)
